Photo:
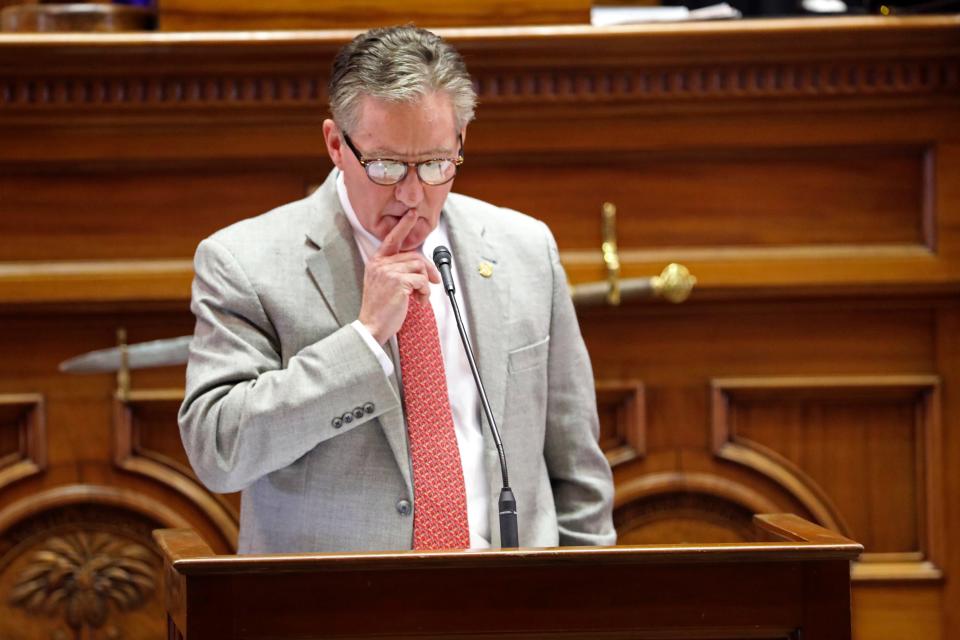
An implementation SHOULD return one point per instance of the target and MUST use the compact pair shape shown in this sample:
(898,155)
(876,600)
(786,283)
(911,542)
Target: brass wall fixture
(673,284)
(123,372)
(611,257)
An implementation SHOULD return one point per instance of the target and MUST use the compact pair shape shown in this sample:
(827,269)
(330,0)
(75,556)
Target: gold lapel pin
(485,269)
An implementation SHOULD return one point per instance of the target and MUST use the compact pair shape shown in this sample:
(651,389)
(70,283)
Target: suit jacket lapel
(336,265)
(486,301)
(337,269)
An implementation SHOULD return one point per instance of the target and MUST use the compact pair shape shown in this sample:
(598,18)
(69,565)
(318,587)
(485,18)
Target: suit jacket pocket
(528,357)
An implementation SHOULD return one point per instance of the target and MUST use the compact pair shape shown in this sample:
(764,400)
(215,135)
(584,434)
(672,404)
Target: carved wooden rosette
(80,570)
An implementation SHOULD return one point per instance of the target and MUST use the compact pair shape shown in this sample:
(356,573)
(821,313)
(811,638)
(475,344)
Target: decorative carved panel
(622,421)
(677,506)
(23,446)
(81,570)
(683,517)
(719,80)
(147,442)
(858,452)
(601,84)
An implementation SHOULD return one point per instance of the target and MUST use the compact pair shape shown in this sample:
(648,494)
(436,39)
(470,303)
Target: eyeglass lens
(432,172)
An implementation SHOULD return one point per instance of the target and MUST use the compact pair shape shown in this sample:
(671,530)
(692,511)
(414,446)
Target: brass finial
(674,283)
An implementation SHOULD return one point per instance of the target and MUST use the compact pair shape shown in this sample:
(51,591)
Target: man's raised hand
(390,278)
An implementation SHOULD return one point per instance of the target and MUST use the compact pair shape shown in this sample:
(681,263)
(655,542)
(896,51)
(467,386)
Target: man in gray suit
(304,388)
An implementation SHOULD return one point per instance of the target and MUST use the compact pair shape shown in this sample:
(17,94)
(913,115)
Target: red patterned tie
(439,497)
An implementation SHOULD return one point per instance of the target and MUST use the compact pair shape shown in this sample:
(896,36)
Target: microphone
(443,260)
(507,505)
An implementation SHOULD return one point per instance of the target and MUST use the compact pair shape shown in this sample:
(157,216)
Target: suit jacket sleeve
(579,473)
(244,414)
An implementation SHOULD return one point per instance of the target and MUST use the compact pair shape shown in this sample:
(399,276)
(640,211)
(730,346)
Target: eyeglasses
(388,172)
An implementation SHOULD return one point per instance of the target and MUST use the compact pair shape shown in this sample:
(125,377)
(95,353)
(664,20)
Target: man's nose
(409,190)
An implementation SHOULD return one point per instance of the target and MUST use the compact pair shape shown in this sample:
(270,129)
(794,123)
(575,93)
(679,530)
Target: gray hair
(402,65)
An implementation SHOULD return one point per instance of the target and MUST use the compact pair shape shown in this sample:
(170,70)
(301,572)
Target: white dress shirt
(461,389)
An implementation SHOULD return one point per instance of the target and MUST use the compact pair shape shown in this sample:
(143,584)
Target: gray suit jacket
(273,361)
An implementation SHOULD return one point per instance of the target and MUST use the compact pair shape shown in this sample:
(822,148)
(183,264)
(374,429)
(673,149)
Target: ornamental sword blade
(143,355)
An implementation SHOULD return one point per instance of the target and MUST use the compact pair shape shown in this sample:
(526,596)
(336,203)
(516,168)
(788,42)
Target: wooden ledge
(802,541)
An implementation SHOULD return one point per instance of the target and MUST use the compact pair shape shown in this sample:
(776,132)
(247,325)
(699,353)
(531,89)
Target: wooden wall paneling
(790,90)
(871,196)
(742,246)
(104,233)
(728,445)
(892,611)
(683,347)
(23,438)
(806,171)
(677,350)
(88,499)
(948,364)
(858,452)
(623,424)
(947,198)
(69,213)
(147,442)
(678,493)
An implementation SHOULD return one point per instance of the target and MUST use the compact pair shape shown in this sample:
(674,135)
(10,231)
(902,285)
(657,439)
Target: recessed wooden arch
(686,507)
(96,494)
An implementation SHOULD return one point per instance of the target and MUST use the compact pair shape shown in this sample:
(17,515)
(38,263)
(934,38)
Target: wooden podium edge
(800,540)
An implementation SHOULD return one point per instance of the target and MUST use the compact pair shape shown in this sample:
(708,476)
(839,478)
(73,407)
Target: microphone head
(441,256)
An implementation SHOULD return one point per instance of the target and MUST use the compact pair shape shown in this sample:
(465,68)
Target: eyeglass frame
(406,165)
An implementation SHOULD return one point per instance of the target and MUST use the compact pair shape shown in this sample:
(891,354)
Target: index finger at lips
(394,240)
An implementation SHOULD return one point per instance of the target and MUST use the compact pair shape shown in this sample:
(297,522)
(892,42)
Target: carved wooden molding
(925,389)
(27,419)
(184,90)
(730,81)
(653,484)
(879,567)
(131,457)
(700,497)
(88,493)
(729,446)
(578,65)
(626,399)
(628,83)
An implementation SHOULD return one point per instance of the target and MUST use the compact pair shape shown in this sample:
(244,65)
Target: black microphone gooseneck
(509,538)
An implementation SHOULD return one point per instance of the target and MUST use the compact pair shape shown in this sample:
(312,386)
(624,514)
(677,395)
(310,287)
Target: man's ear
(331,136)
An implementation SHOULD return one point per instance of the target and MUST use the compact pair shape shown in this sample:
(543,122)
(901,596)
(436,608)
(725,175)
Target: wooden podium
(792,583)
